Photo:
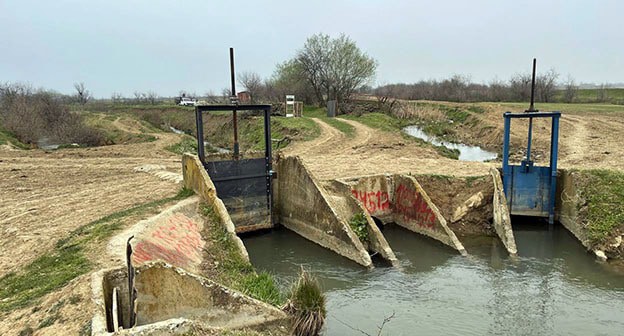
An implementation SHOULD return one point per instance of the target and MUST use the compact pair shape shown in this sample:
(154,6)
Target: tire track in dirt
(371,151)
(47,194)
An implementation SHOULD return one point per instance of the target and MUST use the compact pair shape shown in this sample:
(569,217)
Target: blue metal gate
(530,189)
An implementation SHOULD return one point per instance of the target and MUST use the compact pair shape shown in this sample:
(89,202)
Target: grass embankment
(233,270)
(7,138)
(603,193)
(563,107)
(218,127)
(67,260)
(391,124)
(113,134)
(321,113)
(614,96)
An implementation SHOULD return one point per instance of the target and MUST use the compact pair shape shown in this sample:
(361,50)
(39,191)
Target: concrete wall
(502,220)
(171,301)
(567,205)
(414,211)
(376,195)
(304,207)
(197,179)
(352,206)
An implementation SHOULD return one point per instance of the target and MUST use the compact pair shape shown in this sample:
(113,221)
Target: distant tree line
(461,89)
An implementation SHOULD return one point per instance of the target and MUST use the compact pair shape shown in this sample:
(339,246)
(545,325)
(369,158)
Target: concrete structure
(304,207)
(173,236)
(414,211)
(172,301)
(197,179)
(347,206)
(502,220)
(401,200)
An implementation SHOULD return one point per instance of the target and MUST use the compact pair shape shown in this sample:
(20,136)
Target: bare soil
(47,194)
(586,140)
(333,155)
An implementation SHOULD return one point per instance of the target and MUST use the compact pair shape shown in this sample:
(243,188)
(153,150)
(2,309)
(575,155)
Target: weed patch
(603,191)
(358,225)
(233,270)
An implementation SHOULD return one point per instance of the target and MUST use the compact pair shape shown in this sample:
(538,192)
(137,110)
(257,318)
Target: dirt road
(46,195)
(371,151)
(586,139)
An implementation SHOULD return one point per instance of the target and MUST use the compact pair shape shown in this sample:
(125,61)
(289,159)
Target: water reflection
(466,153)
(554,287)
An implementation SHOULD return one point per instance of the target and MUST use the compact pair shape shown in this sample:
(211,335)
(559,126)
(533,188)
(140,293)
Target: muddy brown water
(553,288)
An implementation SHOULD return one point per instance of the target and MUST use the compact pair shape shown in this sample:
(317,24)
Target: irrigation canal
(554,288)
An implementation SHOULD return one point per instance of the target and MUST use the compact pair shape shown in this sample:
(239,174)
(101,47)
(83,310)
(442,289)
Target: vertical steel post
(529,140)
(267,156)
(199,124)
(233,93)
(554,146)
(531,108)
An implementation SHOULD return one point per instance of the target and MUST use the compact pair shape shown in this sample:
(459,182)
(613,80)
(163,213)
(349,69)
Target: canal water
(466,153)
(554,288)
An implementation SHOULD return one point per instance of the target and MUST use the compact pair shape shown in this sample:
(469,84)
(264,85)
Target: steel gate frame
(268,174)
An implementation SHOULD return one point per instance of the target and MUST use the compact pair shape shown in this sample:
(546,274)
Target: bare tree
(82,94)
(151,97)
(546,85)
(117,97)
(602,95)
(570,90)
(252,83)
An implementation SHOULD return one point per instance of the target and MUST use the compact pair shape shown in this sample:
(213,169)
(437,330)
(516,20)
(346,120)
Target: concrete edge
(356,251)
(98,321)
(197,179)
(501,217)
(448,237)
(378,242)
(117,245)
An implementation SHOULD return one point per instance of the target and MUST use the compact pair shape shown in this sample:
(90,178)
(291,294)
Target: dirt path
(586,140)
(371,151)
(45,195)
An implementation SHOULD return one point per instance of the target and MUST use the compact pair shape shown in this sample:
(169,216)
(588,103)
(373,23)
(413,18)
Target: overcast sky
(168,46)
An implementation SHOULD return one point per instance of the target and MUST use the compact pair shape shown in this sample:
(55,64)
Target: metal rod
(530,137)
(268,156)
(233,93)
(506,167)
(199,123)
(531,107)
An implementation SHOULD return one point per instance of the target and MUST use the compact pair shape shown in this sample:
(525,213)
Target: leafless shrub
(34,114)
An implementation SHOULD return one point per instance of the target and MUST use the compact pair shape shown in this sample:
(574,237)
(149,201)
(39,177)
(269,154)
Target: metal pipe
(233,93)
(530,137)
(199,123)
(531,107)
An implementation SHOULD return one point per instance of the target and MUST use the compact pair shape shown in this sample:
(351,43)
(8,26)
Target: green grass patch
(359,226)
(233,270)
(603,191)
(188,144)
(67,260)
(321,113)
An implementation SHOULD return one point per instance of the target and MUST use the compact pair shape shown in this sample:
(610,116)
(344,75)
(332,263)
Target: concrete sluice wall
(173,301)
(321,211)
